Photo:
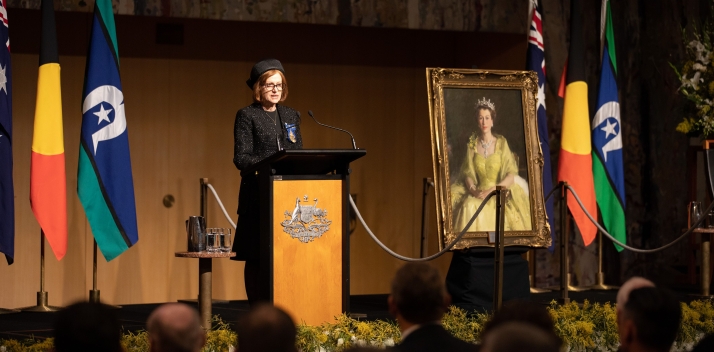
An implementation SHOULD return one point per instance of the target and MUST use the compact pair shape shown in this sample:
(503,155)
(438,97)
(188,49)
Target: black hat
(261,67)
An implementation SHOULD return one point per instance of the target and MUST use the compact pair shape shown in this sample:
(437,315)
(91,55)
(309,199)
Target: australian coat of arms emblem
(306,222)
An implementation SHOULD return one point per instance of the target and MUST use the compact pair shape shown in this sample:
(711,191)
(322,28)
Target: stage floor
(24,325)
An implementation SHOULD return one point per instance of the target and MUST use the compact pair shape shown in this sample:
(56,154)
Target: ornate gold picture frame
(484,133)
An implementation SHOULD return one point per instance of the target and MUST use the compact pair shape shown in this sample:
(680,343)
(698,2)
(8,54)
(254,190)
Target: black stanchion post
(428,183)
(204,198)
(564,244)
(205,266)
(498,248)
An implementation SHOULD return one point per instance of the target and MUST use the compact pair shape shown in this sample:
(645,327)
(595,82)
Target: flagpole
(42,300)
(600,275)
(94,293)
(532,277)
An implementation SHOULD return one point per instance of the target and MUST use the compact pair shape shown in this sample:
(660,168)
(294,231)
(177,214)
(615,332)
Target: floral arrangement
(583,327)
(696,76)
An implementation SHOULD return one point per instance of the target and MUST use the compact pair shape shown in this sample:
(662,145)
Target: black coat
(256,137)
(430,338)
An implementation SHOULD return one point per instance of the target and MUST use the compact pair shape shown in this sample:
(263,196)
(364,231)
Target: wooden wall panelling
(205,96)
(137,275)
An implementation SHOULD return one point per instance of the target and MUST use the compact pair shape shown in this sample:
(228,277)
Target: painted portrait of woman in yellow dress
(488,162)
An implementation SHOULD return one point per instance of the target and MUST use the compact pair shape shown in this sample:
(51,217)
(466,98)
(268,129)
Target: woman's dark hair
(492,111)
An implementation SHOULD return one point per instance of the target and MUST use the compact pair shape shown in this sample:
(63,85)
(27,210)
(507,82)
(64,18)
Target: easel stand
(42,299)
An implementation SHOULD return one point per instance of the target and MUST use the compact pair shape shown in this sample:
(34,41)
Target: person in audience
(418,301)
(175,327)
(623,293)
(649,321)
(86,326)
(517,336)
(266,328)
(525,312)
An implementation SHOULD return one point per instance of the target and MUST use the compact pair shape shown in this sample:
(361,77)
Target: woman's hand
(483,194)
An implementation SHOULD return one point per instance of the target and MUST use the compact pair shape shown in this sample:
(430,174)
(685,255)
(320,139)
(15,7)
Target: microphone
(354,146)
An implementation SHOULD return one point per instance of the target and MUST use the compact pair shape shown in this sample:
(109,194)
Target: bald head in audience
(266,328)
(517,336)
(649,321)
(175,327)
(633,283)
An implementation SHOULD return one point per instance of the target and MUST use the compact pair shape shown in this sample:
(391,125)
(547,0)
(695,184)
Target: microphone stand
(354,146)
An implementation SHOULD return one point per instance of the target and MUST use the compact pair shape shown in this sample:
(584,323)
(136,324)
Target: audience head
(649,321)
(525,312)
(517,336)
(175,327)
(266,328)
(632,284)
(87,326)
(418,294)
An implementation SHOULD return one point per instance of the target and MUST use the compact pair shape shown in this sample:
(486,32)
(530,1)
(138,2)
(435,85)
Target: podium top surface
(307,161)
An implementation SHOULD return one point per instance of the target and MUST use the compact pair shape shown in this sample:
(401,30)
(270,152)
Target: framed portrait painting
(484,134)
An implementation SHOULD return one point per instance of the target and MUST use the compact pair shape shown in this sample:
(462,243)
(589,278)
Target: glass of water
(226,241)
(211,240)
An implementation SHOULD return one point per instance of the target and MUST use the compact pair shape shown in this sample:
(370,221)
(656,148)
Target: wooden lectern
(304,231)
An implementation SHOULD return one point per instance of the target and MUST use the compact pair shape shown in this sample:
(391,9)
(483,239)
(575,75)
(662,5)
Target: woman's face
(485,121)
(272,90)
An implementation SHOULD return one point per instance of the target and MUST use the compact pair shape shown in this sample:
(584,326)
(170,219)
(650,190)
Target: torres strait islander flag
(7,191)
(608,171)
(105,184)
(535,61)
(575,164)
(48,184)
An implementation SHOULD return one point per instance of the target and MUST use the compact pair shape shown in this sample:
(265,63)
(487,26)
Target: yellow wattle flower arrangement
(583,327)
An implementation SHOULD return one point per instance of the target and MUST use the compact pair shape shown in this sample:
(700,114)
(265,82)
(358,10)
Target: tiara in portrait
(485,103)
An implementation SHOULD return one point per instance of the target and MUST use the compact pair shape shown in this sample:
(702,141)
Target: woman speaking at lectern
(261,129)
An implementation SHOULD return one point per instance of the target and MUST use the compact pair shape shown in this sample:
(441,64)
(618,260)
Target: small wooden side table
(205,277)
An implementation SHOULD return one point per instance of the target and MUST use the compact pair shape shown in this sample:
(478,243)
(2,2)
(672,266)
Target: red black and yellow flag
(575,164)
(48,186)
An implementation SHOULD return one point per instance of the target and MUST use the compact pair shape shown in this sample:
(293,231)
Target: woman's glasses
(271,86)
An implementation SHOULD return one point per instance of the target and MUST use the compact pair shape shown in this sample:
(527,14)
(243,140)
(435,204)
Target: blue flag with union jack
(535,61)
(7,193)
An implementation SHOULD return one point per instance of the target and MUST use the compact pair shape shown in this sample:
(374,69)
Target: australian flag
(535,61)
(7,193)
